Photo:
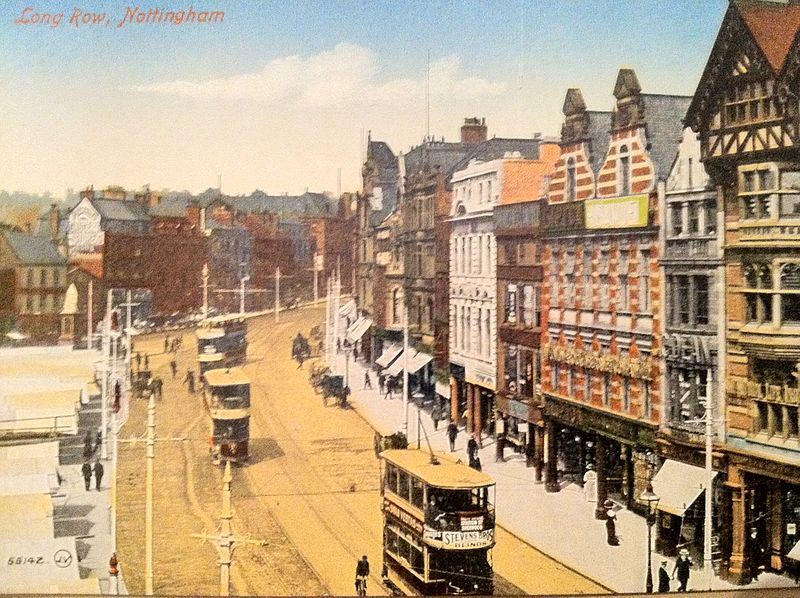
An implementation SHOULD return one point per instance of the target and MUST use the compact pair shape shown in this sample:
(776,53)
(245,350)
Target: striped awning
(390,353)
(397,365)
(358,329)
(418,361)
(348,308)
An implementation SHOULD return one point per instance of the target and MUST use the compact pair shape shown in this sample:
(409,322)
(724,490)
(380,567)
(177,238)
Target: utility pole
(277,293)
(148,507)
(405,368)
(244,278)
(106,374)
(205,291)
(328,330)
(335,314)
(89,301)
(226,540)
(707,559)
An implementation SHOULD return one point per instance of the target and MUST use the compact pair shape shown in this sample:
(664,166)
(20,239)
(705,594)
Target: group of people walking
(171,345)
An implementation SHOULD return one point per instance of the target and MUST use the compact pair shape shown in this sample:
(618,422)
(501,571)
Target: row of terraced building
(585,297)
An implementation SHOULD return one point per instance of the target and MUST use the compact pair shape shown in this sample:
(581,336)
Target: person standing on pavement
(381,382)
(86,470)
(146,361)
(452,432)
(87,445)
(682,567)
(98,473)
(367,380)
(189,380)
(166,344)
(173,365)
(158,385)
(472,448)
(138,361)
(611,524)
(663,578)
(436,415)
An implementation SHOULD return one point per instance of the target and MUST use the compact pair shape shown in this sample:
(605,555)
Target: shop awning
(357,330)
(348,308)
(397,365)
(390,353)
(443,389)
(418,361)
(794,553)
(678,485)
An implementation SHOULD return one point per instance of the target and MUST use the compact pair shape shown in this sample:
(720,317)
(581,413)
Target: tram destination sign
(459,540)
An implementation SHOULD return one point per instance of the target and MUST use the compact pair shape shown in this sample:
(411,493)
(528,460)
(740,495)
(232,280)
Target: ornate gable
(627,90)
(576,122)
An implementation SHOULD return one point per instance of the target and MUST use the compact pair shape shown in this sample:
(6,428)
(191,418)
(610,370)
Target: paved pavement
(560,524)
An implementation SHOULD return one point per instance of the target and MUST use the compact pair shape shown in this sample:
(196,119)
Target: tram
(226,335)
(438,524)
(226,393)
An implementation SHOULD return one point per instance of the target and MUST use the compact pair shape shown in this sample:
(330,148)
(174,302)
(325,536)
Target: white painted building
(473,272)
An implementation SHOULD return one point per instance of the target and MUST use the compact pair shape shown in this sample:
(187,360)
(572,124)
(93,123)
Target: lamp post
(651,498)
(348,349)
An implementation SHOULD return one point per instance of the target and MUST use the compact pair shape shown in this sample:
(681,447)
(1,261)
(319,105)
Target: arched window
(571,180)
(624,171)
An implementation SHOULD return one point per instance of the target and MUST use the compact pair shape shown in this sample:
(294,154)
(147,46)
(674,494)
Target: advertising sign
(459,540)
(617,212)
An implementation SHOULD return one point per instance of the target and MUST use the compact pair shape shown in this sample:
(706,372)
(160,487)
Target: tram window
(416,559)
(403,486)
(391,478)
(416,493)
(391,541)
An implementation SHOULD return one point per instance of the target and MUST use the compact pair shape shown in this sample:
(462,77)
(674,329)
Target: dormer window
(624,175)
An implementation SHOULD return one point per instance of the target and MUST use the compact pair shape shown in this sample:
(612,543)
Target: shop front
(480,390)
(621,452)
(522,429)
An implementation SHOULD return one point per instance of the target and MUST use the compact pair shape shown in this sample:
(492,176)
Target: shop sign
(472,524)
(403,516)
(475,376)
(617,212)
(518,409)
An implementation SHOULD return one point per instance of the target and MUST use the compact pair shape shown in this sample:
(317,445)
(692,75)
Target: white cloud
(345,74)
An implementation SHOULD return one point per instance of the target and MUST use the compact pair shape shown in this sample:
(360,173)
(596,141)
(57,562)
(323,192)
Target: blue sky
(280,95)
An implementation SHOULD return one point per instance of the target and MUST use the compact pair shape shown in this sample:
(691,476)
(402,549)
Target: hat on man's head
(684,552)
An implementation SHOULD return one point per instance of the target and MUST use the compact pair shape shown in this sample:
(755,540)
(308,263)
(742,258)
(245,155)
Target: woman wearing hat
(682,567)
(611,524)
(663,578)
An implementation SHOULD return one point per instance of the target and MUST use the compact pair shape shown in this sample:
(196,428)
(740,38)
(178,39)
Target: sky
(280,96)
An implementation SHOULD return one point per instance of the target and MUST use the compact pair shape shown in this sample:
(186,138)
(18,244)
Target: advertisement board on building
(617,212)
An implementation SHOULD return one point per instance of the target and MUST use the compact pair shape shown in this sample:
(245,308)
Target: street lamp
(347,348)
(651,498)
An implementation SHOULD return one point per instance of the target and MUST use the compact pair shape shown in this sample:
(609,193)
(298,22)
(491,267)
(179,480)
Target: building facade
(745,110)
(602,297)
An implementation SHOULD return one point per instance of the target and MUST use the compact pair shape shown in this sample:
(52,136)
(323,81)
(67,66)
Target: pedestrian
(98,438)
(166,344)
(436,415)
(338,345)
(87,474)
(389,388)
(98,474)
(87,445)
(381,382)
(344,396)
(189,380)
(146,361)
(611,524)
(158,384)
(682,567)
(472,447)
(663,578)
(367,380)
(355,353)
(138,361)
(452,432)
(590,484)
(475,462)
(173,365)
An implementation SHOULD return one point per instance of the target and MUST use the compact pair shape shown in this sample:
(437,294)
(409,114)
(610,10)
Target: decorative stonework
(603,362)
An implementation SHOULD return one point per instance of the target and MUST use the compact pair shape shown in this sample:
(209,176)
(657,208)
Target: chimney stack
(54,222)
(473,130)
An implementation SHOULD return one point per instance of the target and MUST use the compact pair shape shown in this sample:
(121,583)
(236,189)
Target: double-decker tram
(438,524)
(226,393)
(226,335)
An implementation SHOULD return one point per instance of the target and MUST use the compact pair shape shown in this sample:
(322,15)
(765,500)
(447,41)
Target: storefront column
(477,403)
(455,399)
(601,464)
(630,499)
(470,410)
(551,471)
(538,452)
(736,486)
(776,525)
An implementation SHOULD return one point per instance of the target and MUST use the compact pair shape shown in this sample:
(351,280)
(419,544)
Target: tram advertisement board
(458,539)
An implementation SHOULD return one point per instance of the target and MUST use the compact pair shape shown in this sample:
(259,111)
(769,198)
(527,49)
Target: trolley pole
(277,293)
(226,540)
(148,513)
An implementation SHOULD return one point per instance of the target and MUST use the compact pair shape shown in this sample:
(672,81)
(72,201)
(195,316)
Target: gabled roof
(171,207)
(34,249)
(117,209)
(774,27)
(382,154)
(598,135)
(663,115)
(435,154)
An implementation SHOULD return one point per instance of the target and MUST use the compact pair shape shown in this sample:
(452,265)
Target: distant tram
(226,393)
(226,335)
(438,524)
